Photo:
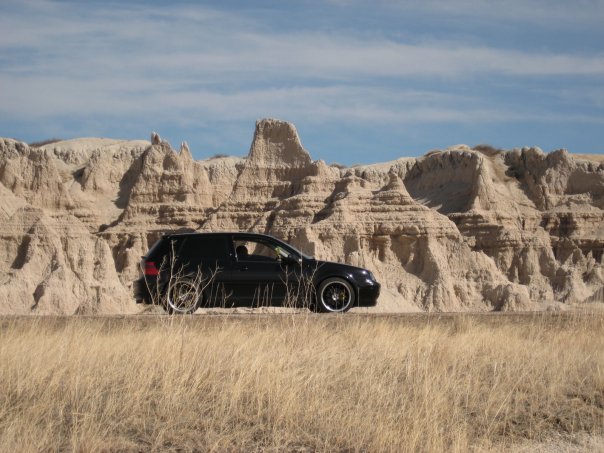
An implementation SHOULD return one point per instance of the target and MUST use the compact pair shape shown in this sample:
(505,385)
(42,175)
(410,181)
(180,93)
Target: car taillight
(150,268)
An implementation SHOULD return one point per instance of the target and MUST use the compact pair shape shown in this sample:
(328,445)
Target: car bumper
(369,294)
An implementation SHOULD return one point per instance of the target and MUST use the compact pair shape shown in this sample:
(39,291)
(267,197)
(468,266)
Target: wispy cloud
(210,45)
(178,61)
(546,13)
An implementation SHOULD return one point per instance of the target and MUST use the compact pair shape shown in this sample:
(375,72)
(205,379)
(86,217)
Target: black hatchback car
(182,272)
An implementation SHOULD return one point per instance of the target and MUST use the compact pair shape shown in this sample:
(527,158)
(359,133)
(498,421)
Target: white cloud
(335,103)
(170,62)
(211,45)
(547,13)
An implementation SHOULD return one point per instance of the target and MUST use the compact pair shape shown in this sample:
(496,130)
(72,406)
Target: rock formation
(459,229)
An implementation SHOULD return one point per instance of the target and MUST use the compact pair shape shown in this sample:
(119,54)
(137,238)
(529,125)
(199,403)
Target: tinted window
(159,249)
(258,250)
(207,250)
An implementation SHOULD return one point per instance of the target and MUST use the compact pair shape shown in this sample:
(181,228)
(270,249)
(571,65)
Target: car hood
(324,265)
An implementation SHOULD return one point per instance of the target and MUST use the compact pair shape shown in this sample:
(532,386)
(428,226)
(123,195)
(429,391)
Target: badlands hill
(459,229)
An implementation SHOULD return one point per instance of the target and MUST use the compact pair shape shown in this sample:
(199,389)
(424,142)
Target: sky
(362,81)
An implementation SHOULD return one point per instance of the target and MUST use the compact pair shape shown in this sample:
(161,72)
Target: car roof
(222,233)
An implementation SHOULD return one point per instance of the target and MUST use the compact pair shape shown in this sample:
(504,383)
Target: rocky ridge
(454,230)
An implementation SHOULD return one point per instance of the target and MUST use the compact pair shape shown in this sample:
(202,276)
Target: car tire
(182,297)
(335,295)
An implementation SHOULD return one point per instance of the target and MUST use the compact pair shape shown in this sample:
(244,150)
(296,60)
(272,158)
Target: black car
(182,272)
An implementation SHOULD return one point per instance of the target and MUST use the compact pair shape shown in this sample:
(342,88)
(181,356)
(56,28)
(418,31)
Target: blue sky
(362,81)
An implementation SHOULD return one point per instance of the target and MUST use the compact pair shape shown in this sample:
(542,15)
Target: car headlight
(369,275)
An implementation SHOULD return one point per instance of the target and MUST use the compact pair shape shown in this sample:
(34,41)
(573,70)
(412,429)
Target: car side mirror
(291,259)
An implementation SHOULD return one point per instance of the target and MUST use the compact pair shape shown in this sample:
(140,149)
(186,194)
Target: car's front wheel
(182,297)
(335,295)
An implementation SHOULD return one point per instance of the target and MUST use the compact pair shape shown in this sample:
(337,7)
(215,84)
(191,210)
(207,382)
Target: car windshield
(295,250)
(303,255)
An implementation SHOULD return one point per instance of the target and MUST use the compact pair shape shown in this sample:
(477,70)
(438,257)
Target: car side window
(253,250)
(193,251)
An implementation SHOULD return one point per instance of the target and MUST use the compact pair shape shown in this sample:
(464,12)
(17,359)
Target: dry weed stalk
(184,288)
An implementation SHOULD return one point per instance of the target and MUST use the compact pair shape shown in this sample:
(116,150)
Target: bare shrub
(179,288)
(299,292)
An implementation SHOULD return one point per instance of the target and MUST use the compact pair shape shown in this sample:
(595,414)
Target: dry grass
(300,382)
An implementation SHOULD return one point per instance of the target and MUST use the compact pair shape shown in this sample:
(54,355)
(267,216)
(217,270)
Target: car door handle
(243,268)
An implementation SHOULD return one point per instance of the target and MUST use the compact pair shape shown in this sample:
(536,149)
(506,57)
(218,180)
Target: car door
(260,276)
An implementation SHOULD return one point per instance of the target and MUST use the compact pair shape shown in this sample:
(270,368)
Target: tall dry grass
(299,382)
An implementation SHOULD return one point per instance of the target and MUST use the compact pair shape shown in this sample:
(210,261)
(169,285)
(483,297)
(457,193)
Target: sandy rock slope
(454,230)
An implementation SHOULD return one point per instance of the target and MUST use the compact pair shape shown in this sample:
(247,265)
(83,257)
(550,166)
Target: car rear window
(207,250)
(158,250)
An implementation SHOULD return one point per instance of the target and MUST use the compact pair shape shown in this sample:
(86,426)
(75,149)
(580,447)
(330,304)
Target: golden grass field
(303,383)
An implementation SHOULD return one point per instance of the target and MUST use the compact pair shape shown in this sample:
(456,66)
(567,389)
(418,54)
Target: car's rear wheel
(335,295)
(182,297)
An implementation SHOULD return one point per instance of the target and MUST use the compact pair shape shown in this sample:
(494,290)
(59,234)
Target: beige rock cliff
(459,229)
